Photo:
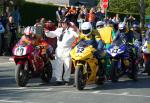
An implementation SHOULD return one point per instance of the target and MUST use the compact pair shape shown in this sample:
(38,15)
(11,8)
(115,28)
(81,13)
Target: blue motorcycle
(122,61)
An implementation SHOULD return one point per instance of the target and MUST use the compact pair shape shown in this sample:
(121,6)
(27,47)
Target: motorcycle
(122,61)
(146,55)
(86,65)
(30,63)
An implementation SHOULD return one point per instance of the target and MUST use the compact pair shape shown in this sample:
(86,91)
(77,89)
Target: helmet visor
(99,26)
(86,31)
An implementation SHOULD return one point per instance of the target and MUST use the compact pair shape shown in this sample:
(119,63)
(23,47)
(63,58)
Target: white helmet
(86,28)
(28,30)
(99,23)
(122,26)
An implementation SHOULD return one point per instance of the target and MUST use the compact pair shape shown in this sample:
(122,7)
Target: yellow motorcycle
(86,65)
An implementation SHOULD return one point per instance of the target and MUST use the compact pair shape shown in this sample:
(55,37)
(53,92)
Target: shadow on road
(143,82)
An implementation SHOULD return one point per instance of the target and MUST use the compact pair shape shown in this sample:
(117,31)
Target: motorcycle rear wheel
(80,81)
(46,75)
(21,75)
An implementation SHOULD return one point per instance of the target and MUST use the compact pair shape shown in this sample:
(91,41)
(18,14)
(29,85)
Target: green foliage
(125,6)
(1,9)
(19,2)
(128,6)
(32,11)
(147,7)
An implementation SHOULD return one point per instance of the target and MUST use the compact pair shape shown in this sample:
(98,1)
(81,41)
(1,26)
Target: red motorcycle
(30,63)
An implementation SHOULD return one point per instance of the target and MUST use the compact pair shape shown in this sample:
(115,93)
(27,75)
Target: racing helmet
(99,24)
(86,28)
(28,31)
(135,26)
(148,26)
(121,26)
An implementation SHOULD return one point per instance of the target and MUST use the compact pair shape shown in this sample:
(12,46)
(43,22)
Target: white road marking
(23,89)
(12,93)
(12,88)
(26,88)
(6,63)
(10,101)
(39,89)
(11,59)
(111,94)
(6,78)
(125,93)
(13,101)
(95,92)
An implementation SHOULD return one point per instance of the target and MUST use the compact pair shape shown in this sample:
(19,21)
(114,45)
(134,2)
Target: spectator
(16,16)
(99,16)
(116,19)
(85,10)
(49,25)
(12,39)
(42,21)
(129,21)
(2,30)
(59,14)
(76,15)
(71,14)
(91,17)
(81,18)
(4,20)
(64,11)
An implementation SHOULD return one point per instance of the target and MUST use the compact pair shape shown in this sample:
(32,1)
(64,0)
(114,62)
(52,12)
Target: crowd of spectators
(9,24)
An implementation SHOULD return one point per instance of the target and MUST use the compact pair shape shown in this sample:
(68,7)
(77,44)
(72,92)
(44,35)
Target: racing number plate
(80,50)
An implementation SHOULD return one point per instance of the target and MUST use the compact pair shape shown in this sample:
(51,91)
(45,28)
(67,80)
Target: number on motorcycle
(80,50)
(115,50)
(19,51)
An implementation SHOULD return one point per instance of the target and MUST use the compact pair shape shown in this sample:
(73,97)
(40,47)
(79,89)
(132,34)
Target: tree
(142,12)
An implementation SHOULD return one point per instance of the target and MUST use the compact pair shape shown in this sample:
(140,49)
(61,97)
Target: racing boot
(101,72)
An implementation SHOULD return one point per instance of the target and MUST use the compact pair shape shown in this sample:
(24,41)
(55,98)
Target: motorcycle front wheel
(114,77)
(21,75)
(47,73)
(80,80)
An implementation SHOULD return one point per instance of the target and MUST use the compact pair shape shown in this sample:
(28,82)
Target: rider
(137,39)
(107,35)
(128,38)
(31,36)
(99,25)
(28,35)
(88,36)
(124,33)
(137,33)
